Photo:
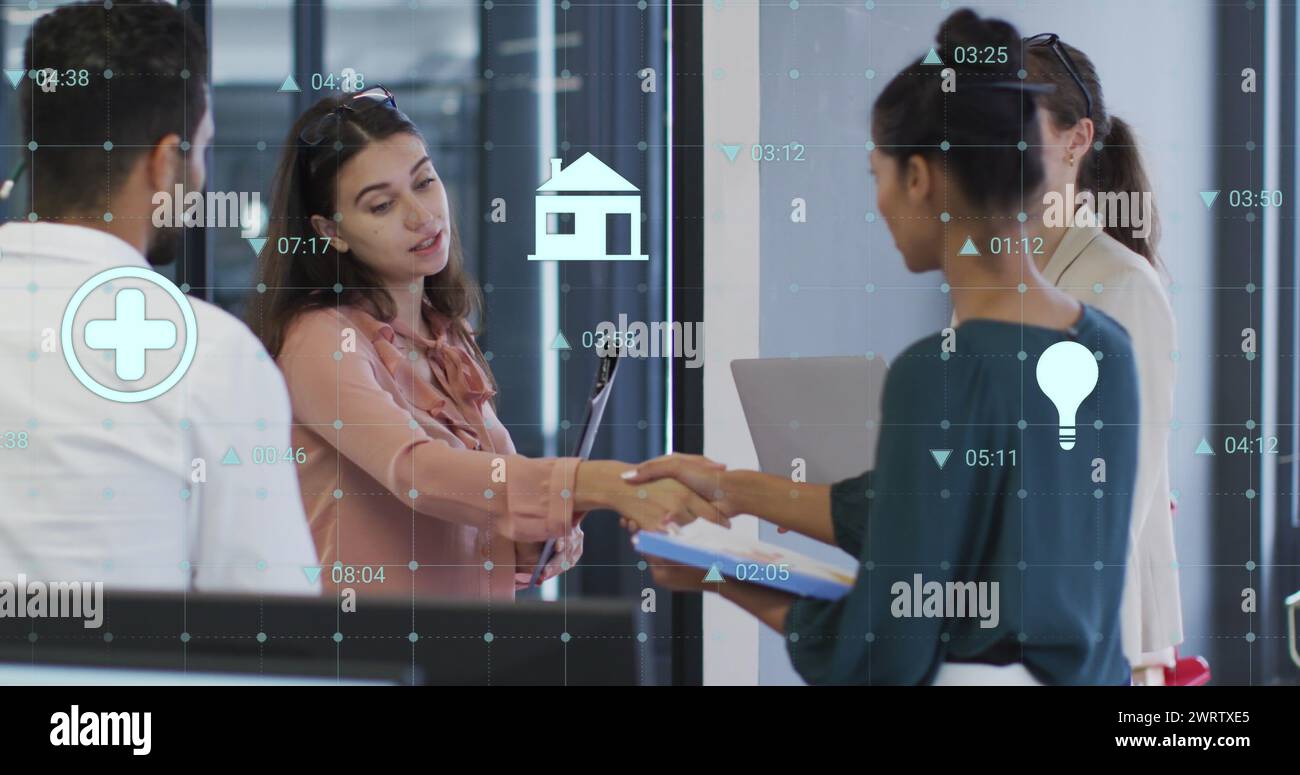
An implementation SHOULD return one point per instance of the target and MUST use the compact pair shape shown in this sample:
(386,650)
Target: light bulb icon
(1067,374)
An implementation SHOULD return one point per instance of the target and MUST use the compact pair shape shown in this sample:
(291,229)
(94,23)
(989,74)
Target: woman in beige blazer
(1114,266)
(1088,246)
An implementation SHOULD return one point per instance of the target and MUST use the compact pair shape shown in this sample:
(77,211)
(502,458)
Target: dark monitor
(174,638)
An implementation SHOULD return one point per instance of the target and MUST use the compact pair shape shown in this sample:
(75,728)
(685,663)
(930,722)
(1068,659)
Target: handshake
(675,488)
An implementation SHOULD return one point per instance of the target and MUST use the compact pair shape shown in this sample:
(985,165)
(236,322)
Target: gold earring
(1071,160)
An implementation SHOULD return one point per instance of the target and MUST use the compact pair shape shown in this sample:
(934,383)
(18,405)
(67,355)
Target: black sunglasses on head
(361,102)
(1053,41)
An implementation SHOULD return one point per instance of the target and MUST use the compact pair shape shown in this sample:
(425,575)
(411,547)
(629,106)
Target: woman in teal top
(987,533)
(1010,511)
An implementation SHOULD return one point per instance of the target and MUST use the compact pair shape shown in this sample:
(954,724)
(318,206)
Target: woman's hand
(648,506)
(678,577)
(703,476)
(568,550)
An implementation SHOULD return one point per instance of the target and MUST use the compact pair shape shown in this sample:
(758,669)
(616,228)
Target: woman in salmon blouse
(364,303)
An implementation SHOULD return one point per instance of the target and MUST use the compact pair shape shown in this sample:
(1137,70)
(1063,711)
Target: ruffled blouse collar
(459,379)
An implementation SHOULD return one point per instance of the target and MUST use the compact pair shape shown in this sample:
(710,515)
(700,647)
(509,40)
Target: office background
(1172,68)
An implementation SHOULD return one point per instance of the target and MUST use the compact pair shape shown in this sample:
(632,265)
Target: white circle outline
(128,396)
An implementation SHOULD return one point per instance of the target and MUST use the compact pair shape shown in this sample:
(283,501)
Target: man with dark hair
(121,463)
(133,76)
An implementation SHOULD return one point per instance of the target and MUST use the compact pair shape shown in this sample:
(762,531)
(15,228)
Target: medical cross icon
(130,334)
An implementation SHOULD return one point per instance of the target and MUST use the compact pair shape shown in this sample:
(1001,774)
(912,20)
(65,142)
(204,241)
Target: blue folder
(785,576)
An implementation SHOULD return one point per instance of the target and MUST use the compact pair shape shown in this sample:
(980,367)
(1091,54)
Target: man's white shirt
(141,495)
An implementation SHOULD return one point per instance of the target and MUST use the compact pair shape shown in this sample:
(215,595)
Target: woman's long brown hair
(305,185)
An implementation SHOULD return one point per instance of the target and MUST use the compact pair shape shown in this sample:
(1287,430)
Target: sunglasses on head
(1053,41)
(361,102)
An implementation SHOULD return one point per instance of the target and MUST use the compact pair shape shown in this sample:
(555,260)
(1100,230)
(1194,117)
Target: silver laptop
(823,411)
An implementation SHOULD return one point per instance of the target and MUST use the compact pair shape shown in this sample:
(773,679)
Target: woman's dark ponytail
(1118,167)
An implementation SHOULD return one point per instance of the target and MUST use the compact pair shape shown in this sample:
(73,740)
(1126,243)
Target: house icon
(576,214)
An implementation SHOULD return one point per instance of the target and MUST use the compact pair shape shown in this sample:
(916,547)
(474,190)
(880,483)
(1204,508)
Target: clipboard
(600,390)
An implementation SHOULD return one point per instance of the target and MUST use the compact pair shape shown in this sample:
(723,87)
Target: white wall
(731,280)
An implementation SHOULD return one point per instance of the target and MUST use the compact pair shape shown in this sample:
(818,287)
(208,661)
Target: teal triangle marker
(730,150)
(560,343)
(289,84)
(940,456)
(932,58)
(715,575)
(257,243)
(15,76)
(968,248)
(1204,447)
(231,458)
(312,572)
(1208,198)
